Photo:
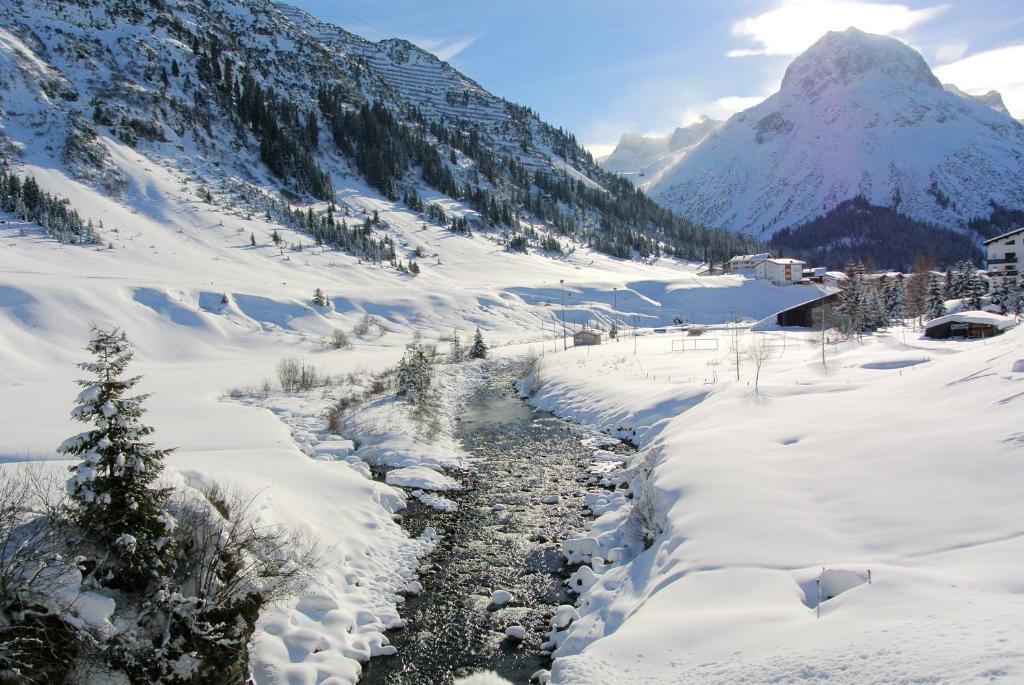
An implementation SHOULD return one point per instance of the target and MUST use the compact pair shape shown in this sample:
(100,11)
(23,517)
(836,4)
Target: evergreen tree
(853,298)
(974,289)
(275,237)
(478,350)
(893,296)
(876,315)
(252,239)
(320,299)
(414,374)
(934,305)
(1013,298)
(113,487)
(456,355)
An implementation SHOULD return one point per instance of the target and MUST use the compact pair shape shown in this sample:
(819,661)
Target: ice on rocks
(422,478)
(516,632)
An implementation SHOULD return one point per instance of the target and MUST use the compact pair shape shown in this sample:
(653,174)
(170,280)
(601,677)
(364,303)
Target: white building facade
(781,271)
(1004,253)
(746,262)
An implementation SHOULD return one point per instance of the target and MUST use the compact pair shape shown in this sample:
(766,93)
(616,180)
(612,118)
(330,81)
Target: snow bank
(904,472)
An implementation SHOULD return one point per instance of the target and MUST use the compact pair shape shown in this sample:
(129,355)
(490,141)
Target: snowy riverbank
(902,458)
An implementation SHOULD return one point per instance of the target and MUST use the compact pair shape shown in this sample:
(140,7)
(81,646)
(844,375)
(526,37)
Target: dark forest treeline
(856,230)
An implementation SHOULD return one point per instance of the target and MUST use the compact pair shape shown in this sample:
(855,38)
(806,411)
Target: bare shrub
(759,351)
(339,340)
(228,564)
(39,640)
(369,324)
(295,375)
(337,410)
(532,378)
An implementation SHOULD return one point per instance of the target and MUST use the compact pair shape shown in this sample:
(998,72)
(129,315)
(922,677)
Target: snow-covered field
(175,256)
(901,459)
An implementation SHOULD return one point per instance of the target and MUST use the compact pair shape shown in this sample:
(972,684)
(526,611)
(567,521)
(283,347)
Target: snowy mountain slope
(756,494)
(167,259)
(856,114)
(992,98)
(642,159)
(265,103)
(415,76)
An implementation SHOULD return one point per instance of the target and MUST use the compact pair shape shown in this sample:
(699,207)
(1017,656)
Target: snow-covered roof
(987,318)
(751,257)
(785,260)
(1004,235)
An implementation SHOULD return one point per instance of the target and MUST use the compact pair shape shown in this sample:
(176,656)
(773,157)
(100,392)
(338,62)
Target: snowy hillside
(642,159)
(856,115)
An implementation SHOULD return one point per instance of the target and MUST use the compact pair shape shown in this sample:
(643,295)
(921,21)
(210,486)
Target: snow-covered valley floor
(902,458)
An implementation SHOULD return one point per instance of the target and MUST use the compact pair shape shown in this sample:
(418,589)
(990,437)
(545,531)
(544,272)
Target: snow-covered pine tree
(1013,301)
(876,315)
(949,286)
(893,296)
(853,298)
(974,289)
(117,502)
(414,374)
(934,304)
(456,355)
(478,350)
(320,299)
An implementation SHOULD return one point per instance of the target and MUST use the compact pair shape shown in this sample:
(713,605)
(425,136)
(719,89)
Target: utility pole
(615,310)
(561,288)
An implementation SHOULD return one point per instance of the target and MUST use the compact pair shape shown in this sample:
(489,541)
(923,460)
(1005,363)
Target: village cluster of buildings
(781,270)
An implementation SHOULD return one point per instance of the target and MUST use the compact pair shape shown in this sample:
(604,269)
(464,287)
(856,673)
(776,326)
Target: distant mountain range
(263,103)
(858,117)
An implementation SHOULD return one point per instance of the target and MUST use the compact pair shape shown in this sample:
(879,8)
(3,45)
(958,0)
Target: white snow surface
(857,114)
(902,459)
(174,256)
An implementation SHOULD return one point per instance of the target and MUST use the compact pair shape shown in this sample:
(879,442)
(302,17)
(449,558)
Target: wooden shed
(971,324)
(586,338)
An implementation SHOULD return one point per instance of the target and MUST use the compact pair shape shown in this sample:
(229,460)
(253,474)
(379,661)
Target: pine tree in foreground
(478,350)
(119,507)
(320,299)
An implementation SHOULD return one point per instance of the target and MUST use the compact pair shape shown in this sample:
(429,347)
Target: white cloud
(949,52)
(443,48)
(795,25)
(998,69)
(736,103)
(600,150)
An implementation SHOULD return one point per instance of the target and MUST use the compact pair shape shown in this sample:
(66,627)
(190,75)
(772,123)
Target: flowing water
(522,458)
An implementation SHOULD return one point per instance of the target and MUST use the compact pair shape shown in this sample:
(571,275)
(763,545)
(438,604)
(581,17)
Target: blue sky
(602,67)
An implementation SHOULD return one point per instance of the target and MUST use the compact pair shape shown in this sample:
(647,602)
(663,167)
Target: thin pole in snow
(817,606)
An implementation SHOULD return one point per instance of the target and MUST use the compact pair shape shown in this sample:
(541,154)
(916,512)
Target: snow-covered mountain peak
(846,58)
(857,116)
(642,158)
